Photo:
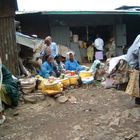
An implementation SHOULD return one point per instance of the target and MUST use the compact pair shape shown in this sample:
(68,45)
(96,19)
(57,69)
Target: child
(90,52)
(59,64)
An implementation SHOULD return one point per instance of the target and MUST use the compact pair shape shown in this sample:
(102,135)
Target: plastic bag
(108,83)
(85,74)
(73,80)
(65,82)
(52,89)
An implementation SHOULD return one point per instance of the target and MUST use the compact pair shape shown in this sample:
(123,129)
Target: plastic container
(53,88)
(75,38)
(88,80)
(72,73)
(65,82)
(85,74)
(73,80)
(81,44)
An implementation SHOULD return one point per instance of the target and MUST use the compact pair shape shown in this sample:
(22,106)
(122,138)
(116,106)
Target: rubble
(72,99)
(126,114)
(131,136)
(115,122)
(40,96)
(27,85)
(135,112)
(16,113)
(30,99)
(77,128)
(33,97)
(62,99)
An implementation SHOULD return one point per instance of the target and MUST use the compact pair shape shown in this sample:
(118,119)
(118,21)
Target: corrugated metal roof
(27,40)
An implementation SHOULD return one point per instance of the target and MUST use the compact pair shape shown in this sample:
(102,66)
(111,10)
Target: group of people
(52,62)
(97,50)
(53,66)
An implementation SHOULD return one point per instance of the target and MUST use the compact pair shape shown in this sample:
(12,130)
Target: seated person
(9,91)
(59,64)
(48,68)
(72,65)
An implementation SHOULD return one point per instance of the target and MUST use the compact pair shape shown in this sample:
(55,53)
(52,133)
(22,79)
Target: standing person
(110,48)
(99,44)
(90,52)
(133,58)
(50,48)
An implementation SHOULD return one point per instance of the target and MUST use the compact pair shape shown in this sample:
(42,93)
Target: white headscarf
(68,54)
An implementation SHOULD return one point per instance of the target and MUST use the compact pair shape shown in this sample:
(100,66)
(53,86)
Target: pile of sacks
(52,85)
(27,85)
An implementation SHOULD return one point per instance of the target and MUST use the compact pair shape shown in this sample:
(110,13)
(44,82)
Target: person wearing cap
(50,47)
(99,47)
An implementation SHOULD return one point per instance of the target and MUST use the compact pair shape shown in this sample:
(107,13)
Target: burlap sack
(133,84)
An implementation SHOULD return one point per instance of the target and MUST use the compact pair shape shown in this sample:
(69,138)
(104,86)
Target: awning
(26,40)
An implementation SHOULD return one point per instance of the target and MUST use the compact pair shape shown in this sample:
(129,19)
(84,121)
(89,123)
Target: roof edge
(114,12)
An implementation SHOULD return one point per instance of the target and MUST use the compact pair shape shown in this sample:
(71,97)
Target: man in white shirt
(99,44)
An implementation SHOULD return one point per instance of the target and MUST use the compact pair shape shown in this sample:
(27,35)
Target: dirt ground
(98,114)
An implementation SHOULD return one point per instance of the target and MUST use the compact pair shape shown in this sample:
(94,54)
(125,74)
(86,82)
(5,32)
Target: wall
(34,24)
(132,27)
(61,35)
(83,20)
(44,25)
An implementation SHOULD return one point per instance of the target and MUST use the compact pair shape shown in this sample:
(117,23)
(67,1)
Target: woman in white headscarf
(133,58)
(72,64)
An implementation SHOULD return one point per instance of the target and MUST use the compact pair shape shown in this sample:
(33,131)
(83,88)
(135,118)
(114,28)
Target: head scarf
(68,54)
